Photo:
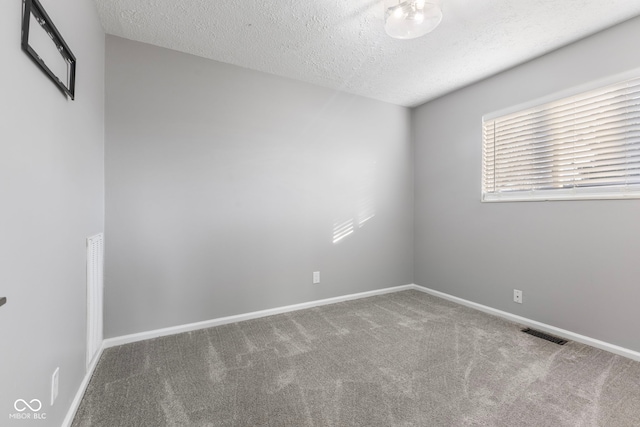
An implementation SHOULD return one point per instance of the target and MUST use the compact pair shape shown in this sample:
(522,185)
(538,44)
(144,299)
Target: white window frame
(581,193)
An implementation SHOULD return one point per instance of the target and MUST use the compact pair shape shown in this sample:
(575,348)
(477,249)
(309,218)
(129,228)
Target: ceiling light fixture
(410,19)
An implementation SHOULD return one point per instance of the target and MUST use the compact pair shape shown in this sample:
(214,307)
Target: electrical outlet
(54,385)
(316,277)
(517,296)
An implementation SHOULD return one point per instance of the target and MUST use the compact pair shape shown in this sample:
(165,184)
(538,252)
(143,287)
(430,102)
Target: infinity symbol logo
(24,405)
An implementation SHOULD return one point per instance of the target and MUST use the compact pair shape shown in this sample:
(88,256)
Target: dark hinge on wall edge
(3,300)
(544,336)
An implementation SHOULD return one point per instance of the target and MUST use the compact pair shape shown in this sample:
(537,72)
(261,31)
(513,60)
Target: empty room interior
(320,213)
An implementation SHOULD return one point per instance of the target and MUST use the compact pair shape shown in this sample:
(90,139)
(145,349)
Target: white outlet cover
(517,296)
(316,277)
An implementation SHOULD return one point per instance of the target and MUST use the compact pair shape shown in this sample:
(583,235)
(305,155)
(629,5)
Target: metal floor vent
(544,336)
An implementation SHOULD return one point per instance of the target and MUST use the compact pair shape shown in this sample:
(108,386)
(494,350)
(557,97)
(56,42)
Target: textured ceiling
(342,44)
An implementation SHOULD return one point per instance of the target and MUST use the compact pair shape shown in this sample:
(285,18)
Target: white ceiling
(341,44)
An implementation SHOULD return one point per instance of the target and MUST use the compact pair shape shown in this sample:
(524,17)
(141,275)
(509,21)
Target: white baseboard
(563,333)
(111,342)
(75,404)
(141,336)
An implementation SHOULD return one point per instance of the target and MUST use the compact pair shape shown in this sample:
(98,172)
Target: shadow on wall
(357,202)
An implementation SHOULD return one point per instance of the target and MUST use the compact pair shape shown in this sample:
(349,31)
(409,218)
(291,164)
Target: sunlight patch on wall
(342,230)
(358,200)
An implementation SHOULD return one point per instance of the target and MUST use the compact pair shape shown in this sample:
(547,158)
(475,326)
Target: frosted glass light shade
(410,19)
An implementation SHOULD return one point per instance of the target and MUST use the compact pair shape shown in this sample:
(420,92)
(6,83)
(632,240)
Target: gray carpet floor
(400,359)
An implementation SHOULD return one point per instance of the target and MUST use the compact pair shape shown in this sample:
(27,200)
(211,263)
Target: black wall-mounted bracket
(3,300)
(33,7)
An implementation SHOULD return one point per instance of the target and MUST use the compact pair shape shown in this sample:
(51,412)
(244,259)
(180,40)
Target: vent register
(95,275)
(545,336)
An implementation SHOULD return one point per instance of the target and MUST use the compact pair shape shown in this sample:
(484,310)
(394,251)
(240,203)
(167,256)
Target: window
(585,146)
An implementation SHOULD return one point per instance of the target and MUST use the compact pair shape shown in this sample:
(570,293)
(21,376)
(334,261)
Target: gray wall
(223,186)
(576,261)
(52,198)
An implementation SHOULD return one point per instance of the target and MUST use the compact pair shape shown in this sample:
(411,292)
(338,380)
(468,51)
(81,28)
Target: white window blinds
(583,146)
